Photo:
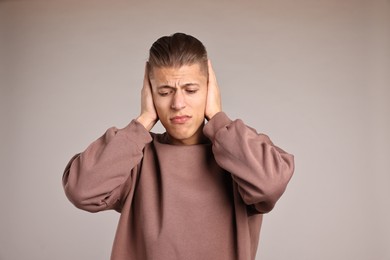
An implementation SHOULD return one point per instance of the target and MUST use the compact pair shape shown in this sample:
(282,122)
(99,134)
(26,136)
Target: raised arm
(98,178)
(260,169)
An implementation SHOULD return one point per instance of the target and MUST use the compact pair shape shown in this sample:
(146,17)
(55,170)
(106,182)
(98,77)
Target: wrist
(212,114)
(146,121)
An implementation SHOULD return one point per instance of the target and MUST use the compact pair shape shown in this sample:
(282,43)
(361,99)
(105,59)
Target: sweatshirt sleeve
(95,179)
(259,168)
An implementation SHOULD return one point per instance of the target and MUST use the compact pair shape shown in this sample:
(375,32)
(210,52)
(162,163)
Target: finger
(212,77)
(146,75)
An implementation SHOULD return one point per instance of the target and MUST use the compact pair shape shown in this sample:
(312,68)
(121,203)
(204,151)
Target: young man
(197,191)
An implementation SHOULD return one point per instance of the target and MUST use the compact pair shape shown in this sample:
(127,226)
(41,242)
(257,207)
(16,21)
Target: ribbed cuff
(136,129)
(218,121)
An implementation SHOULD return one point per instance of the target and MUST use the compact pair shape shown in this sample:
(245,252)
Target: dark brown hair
(177,50)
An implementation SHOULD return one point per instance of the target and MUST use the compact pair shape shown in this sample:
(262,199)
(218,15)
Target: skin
(181,98)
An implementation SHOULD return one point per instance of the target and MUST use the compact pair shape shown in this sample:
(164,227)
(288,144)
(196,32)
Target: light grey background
(313,75)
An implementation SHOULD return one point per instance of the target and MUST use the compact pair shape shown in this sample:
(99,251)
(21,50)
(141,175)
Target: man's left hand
(213,102)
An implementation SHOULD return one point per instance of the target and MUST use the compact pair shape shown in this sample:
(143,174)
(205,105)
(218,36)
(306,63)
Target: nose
(178,101)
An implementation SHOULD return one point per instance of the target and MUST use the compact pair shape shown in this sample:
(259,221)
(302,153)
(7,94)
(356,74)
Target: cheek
(161,105)
(199,104)
(202,100)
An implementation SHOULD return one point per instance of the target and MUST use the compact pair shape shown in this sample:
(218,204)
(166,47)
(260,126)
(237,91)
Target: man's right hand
(148,117)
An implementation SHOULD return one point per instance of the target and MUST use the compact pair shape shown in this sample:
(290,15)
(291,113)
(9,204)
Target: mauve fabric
(181,202)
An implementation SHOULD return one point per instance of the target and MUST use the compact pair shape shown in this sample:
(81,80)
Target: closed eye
(191,91)
(165,92)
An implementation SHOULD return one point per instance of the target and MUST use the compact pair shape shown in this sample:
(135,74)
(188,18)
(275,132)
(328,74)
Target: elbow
(81,196)
(277,185)
(77,193)
(270,187)
(288,166)
(74,195)
(279,176)
(263,200)
(80,200)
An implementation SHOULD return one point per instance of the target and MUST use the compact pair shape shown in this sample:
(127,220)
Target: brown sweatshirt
(181,202)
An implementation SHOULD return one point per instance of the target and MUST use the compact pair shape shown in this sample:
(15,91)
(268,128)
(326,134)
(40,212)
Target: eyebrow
(182,86)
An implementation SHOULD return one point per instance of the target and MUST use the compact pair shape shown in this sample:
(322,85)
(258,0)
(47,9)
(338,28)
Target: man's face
(179,95)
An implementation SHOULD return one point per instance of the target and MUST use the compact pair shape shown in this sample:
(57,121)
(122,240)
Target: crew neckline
(163,138)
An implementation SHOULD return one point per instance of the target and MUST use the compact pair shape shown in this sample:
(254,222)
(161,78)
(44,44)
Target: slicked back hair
(177,50)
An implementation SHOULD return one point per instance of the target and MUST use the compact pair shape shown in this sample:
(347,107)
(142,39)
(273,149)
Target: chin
(180,136)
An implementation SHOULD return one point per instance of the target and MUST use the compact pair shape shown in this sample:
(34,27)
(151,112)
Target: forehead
(184,73)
